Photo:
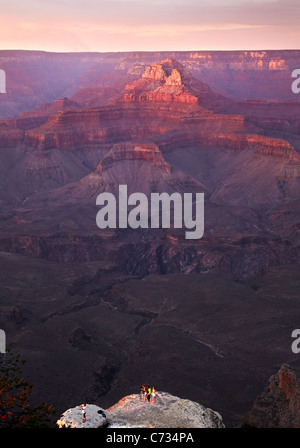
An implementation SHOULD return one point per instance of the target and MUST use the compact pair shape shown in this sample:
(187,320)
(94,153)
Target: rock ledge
(131,411)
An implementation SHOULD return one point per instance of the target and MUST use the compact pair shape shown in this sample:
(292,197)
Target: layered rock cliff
(35,77)
(278,406)
(130,151)
(165,103)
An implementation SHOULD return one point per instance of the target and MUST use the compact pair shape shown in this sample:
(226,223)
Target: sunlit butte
(140,25)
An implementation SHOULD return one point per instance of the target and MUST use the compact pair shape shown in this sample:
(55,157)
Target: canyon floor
(95,335)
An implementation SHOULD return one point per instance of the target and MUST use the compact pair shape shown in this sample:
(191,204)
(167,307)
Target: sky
(149,25)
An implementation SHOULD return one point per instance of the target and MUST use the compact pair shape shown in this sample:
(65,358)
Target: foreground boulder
(168,411)
(72,418)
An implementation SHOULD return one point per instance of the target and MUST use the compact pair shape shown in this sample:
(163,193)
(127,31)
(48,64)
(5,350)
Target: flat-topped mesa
(165,81)
(130,151)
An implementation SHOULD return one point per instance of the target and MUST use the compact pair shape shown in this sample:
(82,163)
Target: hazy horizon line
(152,51)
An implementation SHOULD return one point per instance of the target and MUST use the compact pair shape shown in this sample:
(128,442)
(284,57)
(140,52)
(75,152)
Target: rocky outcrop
(165,81)
(168,411)
(279,404)
(73,418)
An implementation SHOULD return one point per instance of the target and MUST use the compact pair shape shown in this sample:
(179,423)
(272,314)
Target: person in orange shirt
(153,394)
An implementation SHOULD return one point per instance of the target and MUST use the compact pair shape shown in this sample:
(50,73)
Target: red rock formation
(165,101)
(263,145)
(38,77)
(168,93)
(169,81)
(122,121)
(165,81)
(279,404)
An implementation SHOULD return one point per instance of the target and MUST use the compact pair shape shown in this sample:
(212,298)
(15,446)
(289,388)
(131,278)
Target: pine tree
(15,408)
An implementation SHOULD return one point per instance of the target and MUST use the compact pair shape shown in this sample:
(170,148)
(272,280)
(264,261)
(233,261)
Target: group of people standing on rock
(147,392)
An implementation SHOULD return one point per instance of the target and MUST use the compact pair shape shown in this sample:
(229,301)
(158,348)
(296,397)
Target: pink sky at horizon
(149,25)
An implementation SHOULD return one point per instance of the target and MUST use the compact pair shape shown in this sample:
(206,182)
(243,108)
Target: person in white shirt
(83,410)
